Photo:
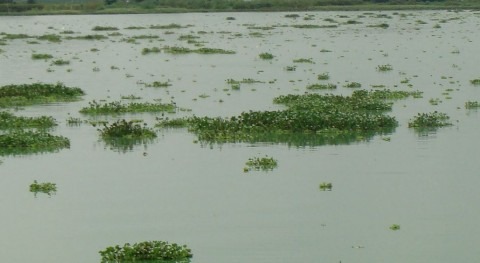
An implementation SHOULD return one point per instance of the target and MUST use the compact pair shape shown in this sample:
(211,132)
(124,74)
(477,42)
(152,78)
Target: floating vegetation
(26,142)
(323,76)
(37,93)
(60,62)
(41,56)
(326,186)
(395,227)
(45,188)
(472,105)
(169,26)
(117,107)
(243,81)
(353,85)
(430,120)
(382,25)
(104,28)
(173,123)
(71,121)
(321,86)
(204,50)
(158,84)
(266,56)
(303,60)
(384,68)
(264,164)
(10,121)
(387,94)
(310,26)
(146,50)
(51,38)
(89,37)
(148,250)
(475,82)
(310,119)
(292,15)
(123,129)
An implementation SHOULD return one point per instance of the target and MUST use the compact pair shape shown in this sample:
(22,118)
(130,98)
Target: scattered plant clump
(472,105)
(243,81)
(46,188)
(475,82)
(104,28)
(264,163)
(147,250)
(303,60)
(158,84)
(89,37)
(41,56)
(60,62)
(430,120)
(321,86)
(382,25)
(266,56)
(146,50)
(117,107)
(37,93)
(384,68)
(326,186)
(25,142)
(51,38)
(323,76)
(10,121)
(353,85)
(203,50)
(169,26)
(394,227)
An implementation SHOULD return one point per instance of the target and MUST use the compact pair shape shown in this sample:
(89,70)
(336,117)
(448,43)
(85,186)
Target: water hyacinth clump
(264,164)
(117,107)
(430,120)
(10,121)
(321,86)
(45,188)
(37,93)
(123,129)
(154,251)
(26,142)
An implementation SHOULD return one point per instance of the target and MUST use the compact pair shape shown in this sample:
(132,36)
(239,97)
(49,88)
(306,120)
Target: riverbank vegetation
(35,7)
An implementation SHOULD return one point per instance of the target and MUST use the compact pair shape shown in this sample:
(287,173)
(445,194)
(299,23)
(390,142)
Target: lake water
(176,190)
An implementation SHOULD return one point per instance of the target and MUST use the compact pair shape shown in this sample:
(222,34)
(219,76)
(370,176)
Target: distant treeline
(18,6)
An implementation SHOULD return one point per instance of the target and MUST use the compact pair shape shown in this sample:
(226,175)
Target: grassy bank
(44,7)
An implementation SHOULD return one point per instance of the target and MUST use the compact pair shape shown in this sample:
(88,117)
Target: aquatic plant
(60,62)
(303,60)
(147,250)
(41,56)
(203,50)
(261,163)
(71,121)
(117,107)
(323,76)
(51,38)
(10,121)
(382,25)
(169,26)
(321,86)
(123,129)
(266,56)
(104,28)
(173,123)
(475,82)
(394,227)
(430,120)
(46,188)
(384,68)
(89,37)
(326,186)
(243,81)
(25,142)
(146,50)
(37,93)
(472,105)
(158,84)
(353,85)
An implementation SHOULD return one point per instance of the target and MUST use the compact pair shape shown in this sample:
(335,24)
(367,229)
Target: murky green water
(179,191)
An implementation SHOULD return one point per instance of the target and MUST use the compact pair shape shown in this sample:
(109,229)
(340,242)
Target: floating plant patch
(430,120)
(10,121)
(117,107)
(147,251)
(45,188)
(326,186)
(123,135)
(37,93)
(260,164)
(28,142)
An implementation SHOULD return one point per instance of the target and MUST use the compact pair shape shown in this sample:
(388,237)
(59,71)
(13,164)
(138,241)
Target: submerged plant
(147,250)
(37,93)
(46,188)
(264,163)
(430,120)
